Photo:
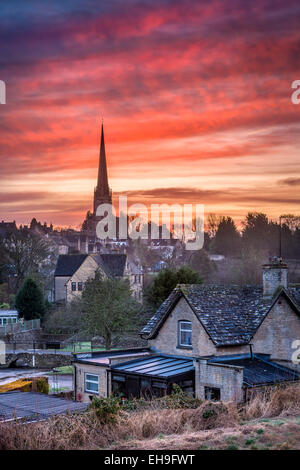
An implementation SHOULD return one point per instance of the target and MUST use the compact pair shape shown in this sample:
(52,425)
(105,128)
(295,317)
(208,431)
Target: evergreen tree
(166,280)
(30,300)
(227,241)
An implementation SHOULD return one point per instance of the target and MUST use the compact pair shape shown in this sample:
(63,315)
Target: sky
(195,97)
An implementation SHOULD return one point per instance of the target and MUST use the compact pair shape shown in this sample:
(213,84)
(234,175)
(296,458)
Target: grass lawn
(63,370)
(81,346)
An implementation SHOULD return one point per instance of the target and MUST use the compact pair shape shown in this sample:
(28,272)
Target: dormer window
(185,333)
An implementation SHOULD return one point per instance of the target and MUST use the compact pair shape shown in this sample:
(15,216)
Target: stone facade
(86,271)
(166,341)
(68,288)
(227,378)
(60,288)
(104,381)
(277,333)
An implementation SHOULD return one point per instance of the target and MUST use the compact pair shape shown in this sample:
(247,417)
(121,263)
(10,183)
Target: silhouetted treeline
(258,234)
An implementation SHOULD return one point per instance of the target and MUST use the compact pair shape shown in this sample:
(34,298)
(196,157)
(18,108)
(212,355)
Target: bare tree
(213,222)
(24,252)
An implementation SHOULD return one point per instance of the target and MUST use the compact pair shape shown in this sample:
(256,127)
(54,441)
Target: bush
(178,399)
(4,306)
(42,386)
(106,409)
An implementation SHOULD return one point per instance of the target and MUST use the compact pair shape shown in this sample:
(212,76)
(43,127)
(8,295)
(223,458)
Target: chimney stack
(274,276)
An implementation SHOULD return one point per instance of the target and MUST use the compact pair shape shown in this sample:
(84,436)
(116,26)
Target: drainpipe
(251,351)
(75,382)
(107,383)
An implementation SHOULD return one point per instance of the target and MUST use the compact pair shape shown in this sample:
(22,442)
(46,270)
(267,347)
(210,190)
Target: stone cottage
(216,342)
(72,271)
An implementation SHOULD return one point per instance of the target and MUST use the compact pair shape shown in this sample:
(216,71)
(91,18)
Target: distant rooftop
(67,265)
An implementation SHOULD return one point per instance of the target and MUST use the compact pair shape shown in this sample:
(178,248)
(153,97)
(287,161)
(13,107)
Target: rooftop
(106,357)
(112,264)
(156,366)
(258,370)
(229,314)
(67,265)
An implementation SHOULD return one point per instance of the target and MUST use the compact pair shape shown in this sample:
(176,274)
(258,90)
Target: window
(73,286)
(212,394)
(80,284)
(91,383)
(185,333)
(118,386)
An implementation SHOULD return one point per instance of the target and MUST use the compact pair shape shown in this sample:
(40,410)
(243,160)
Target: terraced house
(216,342)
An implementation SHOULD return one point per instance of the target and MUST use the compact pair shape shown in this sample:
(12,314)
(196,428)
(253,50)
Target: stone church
(102,192)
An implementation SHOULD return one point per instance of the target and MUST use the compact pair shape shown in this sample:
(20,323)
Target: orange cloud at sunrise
(196,101)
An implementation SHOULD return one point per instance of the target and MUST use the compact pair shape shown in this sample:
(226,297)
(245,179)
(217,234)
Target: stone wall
(229,379)
(277,333)
(38,360)
(24,338)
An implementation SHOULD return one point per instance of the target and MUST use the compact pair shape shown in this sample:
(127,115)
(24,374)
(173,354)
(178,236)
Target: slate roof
(112,264)
(229,314)
(67,265)
(30,405)
(259,371)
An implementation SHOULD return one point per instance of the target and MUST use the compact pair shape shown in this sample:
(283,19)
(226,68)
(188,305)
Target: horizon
(196,100)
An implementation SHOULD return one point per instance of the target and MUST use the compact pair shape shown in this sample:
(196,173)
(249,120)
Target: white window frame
(181,329)
(91,381)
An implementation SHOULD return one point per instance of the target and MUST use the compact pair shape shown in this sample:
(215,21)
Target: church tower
(102,193)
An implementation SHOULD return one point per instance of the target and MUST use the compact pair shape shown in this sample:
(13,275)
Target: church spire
(102,183)
(102,194)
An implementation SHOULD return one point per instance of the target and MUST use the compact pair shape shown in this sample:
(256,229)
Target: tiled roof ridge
(230,314)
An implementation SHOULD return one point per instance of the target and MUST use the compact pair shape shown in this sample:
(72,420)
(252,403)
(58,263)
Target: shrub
(106,409)
(178,399)
(42,386)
